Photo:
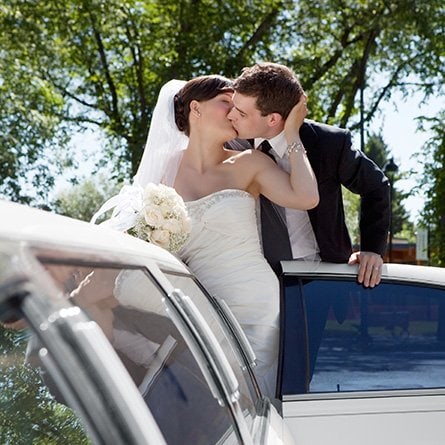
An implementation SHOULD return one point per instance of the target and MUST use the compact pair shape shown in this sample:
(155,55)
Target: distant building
(403,252)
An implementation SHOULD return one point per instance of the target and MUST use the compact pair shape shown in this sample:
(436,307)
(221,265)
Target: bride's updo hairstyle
(201,89)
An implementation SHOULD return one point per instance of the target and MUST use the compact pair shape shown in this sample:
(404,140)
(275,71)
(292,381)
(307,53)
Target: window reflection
(246,387)
(127,304)
(389,337)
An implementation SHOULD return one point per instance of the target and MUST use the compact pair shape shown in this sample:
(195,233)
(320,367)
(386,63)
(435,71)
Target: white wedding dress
(225,254)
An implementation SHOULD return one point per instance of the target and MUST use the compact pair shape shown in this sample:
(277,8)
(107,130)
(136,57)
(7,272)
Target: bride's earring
(197,112)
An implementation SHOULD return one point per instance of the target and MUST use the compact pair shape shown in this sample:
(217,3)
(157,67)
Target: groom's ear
(275,119)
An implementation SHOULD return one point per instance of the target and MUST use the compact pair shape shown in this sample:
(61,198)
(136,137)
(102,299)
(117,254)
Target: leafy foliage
(100,63)
(433,216)
(377,150)
(343,46)
(351,204)
(28,413)
(82,200)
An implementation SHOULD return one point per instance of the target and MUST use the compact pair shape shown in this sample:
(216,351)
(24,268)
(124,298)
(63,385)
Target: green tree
(340,47)
(28,412)
(100,63)
(433,185)
(351,204)
(377,150)
(82,200)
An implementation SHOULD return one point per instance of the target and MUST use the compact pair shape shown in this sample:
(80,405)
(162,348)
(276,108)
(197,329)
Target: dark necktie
(276,244)
(265,147)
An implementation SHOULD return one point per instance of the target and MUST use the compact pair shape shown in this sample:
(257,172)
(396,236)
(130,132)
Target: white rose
(170,193)
(153,216)
(177,211)
(172,225)
(166,208)
(149,191)
(160,238)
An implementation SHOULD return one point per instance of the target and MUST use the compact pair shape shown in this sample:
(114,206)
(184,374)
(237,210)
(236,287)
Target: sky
(397,124)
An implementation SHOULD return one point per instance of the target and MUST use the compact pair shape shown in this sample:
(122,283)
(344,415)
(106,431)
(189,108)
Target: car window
(391,337)
(29,413)
(128,305)
(248,394)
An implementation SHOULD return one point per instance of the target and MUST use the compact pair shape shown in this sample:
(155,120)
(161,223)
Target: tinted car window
(248,395)
(129,307)
(29,413)
(386,338)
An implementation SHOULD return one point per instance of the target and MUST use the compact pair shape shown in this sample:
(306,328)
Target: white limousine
(112,340)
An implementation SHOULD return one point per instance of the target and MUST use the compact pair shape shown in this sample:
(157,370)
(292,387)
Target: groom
(264,95)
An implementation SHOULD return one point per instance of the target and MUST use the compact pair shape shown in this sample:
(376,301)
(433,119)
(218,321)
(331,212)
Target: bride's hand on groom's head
(296,118)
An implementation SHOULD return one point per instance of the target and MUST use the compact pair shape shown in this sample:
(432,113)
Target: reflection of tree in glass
(28,413)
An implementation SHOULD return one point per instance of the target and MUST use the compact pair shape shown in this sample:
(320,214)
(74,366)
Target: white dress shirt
(301,236)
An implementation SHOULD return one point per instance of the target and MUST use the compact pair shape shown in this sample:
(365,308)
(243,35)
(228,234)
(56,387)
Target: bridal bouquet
(163,218)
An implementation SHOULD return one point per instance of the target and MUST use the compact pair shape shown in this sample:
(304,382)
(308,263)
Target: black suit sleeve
(362,176)
(336,163)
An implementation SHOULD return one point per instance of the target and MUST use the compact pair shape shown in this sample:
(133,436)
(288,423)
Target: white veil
(160,161)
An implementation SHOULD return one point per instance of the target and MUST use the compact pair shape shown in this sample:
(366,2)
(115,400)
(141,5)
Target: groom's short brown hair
(276,87)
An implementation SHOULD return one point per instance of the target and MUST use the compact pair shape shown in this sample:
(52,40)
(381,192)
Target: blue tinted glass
(389,337)
(128,305)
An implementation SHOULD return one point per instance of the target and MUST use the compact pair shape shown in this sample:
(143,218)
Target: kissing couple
(295,169)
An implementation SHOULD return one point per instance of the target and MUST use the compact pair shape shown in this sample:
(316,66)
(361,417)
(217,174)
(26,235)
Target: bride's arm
(299,190)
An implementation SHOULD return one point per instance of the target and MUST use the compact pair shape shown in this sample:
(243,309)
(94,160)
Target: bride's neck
(202,153)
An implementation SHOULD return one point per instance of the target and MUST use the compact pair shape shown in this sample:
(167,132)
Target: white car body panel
(35,230)
(386,417)
(383,421)
(383,417)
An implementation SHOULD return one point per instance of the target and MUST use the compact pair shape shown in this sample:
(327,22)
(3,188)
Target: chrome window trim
(205,338)
(365,394)
(262,421)
(225,311)
(210,357)
(74,340)
(234,340)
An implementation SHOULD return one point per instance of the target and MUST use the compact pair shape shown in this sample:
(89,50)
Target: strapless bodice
(224,252)
(222,210)
(224,233)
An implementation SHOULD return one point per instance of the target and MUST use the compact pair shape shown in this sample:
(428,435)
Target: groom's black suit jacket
(335,163)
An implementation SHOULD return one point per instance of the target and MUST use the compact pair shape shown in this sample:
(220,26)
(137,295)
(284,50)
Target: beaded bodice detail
(198,207)
(226,212)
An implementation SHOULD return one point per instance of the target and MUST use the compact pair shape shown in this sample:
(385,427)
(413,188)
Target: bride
(185,150)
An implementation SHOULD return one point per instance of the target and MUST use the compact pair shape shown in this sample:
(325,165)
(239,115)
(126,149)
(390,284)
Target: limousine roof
(390,271)
(45,230)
